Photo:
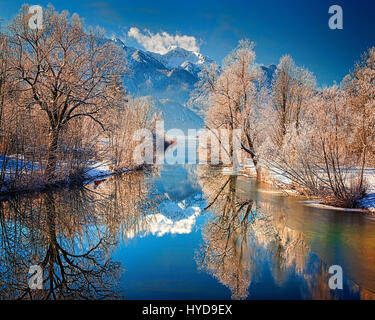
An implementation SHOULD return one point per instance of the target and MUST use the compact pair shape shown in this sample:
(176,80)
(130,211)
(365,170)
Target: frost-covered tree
(361,89)
(318,160)
(4,71)
(66,72)
(235,97)
(292,86)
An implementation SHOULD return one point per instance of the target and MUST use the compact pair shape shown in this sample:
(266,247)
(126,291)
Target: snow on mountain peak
(178,57)
(175,58)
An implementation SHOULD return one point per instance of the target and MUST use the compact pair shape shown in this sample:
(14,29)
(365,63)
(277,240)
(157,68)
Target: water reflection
(248,234)
(134,236)
(70,234)
(123,203)
(64,240)
(226,251)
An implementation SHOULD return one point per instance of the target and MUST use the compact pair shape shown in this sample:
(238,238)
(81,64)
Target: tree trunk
(258,170)
(253,156)
(50,168)
(363,165)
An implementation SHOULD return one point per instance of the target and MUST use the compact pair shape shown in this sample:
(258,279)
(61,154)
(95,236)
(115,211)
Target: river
(182,232)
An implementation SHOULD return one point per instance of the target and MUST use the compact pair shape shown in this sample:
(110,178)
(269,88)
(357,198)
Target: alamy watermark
(36,20)
(336,21)
(35,280)
(336,280)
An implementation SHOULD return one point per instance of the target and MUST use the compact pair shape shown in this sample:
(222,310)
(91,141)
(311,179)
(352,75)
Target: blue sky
(277,26)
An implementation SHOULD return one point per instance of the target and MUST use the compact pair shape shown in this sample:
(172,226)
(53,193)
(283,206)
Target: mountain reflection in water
(181,232)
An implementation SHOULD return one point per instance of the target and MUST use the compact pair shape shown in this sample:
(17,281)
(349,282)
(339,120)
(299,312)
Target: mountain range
(169,79)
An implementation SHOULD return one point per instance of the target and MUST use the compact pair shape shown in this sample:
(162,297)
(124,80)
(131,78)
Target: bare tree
(292,86)
(361,88)
(235,99)
(66,72)
(138,113)
(4,70)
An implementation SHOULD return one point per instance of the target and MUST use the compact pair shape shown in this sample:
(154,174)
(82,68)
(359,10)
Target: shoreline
(309,201)
(65,184)
(102,173)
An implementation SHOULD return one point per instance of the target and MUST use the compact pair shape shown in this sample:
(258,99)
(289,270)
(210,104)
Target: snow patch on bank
(368,201)
(277,178)
(97,170)
(33,171)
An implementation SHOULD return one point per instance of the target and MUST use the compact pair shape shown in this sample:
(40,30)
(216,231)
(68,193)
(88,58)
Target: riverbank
(277,180)
(97,171)
(34,181)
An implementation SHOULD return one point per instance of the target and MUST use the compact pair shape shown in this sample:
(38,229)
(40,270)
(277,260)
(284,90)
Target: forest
(64,110)
(318,142)
(63,107)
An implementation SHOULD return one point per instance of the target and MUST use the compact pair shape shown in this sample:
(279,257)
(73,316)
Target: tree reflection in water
(70,234)
(226,249)
(244,234)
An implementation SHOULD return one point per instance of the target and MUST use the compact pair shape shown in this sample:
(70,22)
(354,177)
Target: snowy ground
(95,170)
(369,201)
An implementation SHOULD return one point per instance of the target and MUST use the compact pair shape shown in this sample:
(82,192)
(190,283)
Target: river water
(182,232)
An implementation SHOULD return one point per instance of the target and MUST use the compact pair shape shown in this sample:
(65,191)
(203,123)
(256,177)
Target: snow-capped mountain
(166,79)
(170,76)
(169,79)
(181,58)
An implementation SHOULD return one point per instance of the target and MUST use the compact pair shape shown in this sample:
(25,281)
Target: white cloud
(162,42)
